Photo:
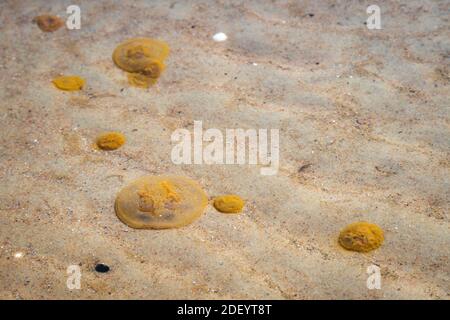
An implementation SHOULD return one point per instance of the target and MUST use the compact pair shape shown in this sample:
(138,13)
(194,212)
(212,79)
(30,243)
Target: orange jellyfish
(48,23)
(160,202)
(361,237)
(143,58)
(229,203)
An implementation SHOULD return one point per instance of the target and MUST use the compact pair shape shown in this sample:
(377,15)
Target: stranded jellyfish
(160,202)
(143,58)
(69,83)
(48,23)
(110,140)
(229,203)
(361,237)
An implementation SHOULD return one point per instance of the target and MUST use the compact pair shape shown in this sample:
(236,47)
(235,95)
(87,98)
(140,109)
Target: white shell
(219,37)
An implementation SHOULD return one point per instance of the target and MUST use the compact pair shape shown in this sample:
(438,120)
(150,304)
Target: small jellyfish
(160,202)
(229,203)
(110,140)
(69,83)
(48,23)
(361,237)
(143,58)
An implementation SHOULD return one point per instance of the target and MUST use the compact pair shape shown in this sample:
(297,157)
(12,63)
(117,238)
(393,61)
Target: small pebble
(102,268)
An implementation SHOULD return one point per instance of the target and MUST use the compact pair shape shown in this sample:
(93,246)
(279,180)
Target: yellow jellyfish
(160,202)
(361,237)
(229,203)
(110,140)
(48,23)
(69,83)
(143,58)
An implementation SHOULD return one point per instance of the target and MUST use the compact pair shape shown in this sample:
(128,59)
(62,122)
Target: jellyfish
(48,23)
(110,140)
(160,202)
(361,237)
(69,83)
(143,58)
(229,203)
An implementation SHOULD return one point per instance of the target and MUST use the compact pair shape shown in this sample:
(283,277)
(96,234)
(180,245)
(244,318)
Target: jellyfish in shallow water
(160,202)
(48,23)
(361,237)
(143,58)
(110,140)
(229,203)
(69,83)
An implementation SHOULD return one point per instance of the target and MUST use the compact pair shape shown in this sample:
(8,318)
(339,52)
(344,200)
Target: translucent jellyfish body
(143,58)
(160,202)
(361,237)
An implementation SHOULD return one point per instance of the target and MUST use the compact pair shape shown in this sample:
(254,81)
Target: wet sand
(364,135)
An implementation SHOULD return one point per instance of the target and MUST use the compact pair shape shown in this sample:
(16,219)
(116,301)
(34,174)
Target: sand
(363,117)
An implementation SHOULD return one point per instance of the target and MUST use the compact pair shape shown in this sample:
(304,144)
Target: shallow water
(363,120)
